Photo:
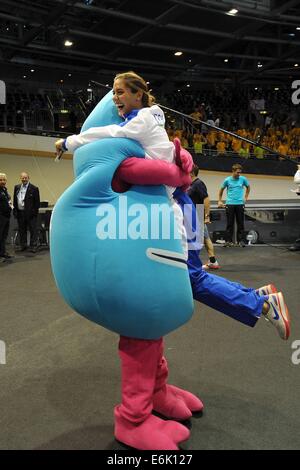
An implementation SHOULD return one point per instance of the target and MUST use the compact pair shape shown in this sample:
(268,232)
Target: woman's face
(124,99)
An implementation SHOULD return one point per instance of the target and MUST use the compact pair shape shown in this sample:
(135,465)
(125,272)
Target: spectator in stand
(199,196)
(236,145)
(217,122)
(283,148)
(235,202)
(178,133)
(198,142)
(221,148)
(197,116)
(210,120)
(202,111)
(211,141)
(244,150)
(258,152)
(5,210)
(170,133)
(184,140)
(268,122)
(294,151)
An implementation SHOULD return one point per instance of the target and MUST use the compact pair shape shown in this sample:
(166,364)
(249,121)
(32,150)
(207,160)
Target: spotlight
(232,12)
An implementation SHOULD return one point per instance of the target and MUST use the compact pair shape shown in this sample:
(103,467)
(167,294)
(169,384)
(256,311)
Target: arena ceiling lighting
(207,35)
(232,12)
(178,53)
(259,5)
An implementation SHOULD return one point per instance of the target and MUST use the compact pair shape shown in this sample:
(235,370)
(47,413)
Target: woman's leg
(232,299)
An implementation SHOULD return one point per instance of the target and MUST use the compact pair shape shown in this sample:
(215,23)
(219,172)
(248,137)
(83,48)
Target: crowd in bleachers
(49,110)
(285,142)
(267,116)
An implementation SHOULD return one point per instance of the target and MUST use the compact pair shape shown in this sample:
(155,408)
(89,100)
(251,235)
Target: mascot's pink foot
(175,403)
(151,434)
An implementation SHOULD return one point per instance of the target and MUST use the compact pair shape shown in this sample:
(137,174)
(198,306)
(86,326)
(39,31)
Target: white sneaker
(210,265)
(278,314)
(266,290)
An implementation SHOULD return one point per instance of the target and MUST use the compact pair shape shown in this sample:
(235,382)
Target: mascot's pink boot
(170,401)
(135,426)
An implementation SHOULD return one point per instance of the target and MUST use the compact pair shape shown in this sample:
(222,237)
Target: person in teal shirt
(235,202)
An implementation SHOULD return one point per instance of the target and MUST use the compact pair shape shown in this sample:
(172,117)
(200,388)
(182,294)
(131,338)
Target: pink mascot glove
(183,158)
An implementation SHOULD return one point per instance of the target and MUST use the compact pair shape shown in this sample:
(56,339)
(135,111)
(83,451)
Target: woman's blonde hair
(136,83)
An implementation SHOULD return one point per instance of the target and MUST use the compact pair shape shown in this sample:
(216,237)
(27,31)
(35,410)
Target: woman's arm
(137,128)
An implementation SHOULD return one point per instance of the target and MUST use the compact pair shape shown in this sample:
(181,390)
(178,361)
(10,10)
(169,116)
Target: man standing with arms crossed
(235,202)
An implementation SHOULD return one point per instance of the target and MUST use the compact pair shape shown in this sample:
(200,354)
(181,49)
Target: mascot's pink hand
(183,158)
(141,171)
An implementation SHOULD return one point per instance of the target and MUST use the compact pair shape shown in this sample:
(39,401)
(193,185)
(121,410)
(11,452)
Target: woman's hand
(60,149)
(59,145)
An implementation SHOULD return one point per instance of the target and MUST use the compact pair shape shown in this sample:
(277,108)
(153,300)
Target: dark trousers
(4,226)
(27,223)
(235,212)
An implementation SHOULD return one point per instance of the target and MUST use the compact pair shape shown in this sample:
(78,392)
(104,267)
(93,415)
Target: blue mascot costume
(114,265)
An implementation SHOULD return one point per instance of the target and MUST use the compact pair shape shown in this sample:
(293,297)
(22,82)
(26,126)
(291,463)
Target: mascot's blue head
(113,258)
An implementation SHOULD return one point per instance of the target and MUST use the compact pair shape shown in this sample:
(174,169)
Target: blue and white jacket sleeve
(137,128)
(297,177)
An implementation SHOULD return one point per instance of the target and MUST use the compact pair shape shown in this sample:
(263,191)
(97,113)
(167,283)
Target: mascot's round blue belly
(101,267)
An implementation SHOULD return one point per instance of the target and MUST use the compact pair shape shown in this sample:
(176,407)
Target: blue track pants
(231,298)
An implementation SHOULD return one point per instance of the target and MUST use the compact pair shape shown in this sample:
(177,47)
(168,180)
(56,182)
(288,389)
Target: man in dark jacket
(199,196)
(5,210)
(26,208)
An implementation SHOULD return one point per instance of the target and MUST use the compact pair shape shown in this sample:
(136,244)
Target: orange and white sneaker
(210,265)
(278,314)
(266,290)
